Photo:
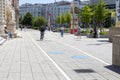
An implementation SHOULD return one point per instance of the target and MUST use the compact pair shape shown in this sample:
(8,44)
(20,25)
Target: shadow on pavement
(84,71)
(45,40)
(114,68)
(38,40)
(103,41)
(98,44)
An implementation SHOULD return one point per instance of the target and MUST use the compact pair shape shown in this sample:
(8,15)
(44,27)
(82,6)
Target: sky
(39,1)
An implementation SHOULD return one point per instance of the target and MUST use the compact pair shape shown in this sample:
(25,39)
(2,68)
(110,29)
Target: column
(2,16)
(115,30)
(116,51)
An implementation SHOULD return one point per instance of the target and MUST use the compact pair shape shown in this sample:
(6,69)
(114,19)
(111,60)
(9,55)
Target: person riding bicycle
(42,30)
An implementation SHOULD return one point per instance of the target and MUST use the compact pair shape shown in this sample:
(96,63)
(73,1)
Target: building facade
(55,9)
(110,4)
(34,9)
(51,10)
(8,15)
(2,16)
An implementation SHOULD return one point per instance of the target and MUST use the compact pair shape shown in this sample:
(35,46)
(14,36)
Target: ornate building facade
(8,15)
(2,16)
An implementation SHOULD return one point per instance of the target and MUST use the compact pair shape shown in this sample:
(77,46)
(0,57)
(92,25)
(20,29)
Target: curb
(2,40)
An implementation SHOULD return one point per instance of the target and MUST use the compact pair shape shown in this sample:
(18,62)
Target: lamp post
(48,17)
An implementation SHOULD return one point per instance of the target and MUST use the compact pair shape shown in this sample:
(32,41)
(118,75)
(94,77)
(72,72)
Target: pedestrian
(98,33)
(78,32)
(95,32)
(62,31)
(21,27)
(42,30)
(5,30)
(91,32)
(10,34)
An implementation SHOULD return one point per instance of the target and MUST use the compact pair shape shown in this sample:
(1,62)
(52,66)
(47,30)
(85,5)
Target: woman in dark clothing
(95,32)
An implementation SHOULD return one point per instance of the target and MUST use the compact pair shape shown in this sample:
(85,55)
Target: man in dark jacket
(42,30)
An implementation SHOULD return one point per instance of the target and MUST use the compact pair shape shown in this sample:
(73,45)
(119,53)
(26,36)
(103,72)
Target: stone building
(8,15)
(110,4)
(2,16)
(51,10)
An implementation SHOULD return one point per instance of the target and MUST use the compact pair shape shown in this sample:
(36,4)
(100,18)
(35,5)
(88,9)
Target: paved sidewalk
(20,59)
(85,59)
(56,58)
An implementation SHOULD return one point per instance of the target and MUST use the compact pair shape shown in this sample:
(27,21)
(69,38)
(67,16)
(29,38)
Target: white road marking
(64,74)
(84,53)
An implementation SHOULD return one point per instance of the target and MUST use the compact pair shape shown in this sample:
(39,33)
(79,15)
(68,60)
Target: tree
(64,18)
(39,22)
(68,18)
(58,19)
(108,21)
(86,15)
(100,13)
(27,20)
(61,19)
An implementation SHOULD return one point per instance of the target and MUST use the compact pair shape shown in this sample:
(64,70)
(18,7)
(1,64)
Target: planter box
(104,36)
(101,36)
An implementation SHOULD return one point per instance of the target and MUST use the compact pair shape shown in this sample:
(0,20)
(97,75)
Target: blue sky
(39,1)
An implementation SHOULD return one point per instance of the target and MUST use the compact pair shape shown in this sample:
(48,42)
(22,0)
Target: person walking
(21,27)
(42,30)
(98,33)
(10,34)
(62,31)
(95,32)
(78,32)
(91,32)
(5,30)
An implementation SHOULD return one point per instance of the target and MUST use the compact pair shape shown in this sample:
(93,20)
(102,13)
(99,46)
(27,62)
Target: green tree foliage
(64,18)
(108,21)
(86,15)
(68,18)
(100,13)
(27,20)
(38,22)
(58,19)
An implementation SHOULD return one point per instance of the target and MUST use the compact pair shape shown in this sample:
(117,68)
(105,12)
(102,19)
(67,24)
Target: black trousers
(41,35)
